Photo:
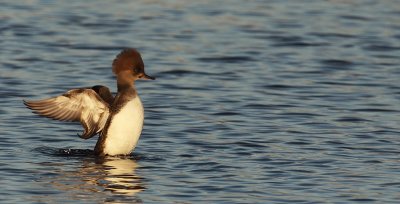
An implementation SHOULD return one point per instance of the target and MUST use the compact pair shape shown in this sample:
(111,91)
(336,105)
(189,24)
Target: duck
(118,120)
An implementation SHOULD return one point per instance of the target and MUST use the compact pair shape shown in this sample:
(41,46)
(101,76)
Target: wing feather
(81,105)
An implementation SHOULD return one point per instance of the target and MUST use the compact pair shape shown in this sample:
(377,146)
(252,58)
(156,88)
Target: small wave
(352,119)
(69,152)
(180,72)
(226,59)
(337,63)
(52,151)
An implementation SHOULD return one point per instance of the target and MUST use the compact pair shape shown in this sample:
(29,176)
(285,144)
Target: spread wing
(84,105)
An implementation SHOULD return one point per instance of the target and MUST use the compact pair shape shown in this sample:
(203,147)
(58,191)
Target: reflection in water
(120,173)
(108,180)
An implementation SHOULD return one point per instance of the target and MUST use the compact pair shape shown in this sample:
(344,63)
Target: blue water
(254,102)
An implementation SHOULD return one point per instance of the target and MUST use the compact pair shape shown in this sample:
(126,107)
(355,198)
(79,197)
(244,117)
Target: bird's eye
(137,69)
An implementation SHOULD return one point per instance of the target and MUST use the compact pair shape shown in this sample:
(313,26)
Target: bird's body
(120,135)
(118,120)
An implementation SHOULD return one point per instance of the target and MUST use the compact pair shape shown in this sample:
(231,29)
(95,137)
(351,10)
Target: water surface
(254,102)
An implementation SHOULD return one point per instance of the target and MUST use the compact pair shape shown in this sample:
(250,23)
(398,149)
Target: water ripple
(255,102)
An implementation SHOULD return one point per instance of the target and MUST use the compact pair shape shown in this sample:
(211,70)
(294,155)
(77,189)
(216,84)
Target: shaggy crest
(127,59)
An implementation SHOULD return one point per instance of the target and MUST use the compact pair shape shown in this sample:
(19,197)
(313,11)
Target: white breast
(125,128)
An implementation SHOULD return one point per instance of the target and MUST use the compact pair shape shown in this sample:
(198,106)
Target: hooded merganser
(118,120)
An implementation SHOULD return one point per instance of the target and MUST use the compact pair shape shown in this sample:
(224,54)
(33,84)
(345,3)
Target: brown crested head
(130,60)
